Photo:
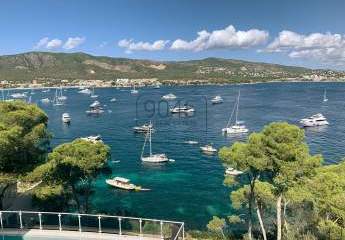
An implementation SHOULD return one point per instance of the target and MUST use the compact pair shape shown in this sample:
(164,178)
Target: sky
(292,32)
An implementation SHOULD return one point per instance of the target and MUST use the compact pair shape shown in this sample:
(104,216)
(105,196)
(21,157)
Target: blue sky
(295,32)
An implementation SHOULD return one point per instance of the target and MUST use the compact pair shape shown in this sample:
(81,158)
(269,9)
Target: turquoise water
(190,189)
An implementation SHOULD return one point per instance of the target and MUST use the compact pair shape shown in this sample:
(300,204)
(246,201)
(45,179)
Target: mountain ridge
(50,67)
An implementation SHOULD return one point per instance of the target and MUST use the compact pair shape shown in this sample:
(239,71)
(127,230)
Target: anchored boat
(124,183)
(237,126)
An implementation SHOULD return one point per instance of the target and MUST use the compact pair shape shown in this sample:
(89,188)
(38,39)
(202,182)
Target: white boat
(66,118)
(95,108)
(233,172)
(93,139)
(61,97)
(152,158)
(144,128)
(45,90)
(191,142)
(85,91)
(237,126)
(113,100)
(169,96)
(314,121)
(325,99)
(182,109)
(18,95)
(157,86)
(217,99)
(134,91)
(93,95)
(208,149)
(56,100)
(124,183)
(45,100)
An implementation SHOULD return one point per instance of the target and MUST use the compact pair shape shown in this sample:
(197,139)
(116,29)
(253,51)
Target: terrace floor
(68,235)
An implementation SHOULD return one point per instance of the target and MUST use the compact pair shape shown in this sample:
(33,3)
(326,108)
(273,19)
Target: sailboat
(152,158)
(325,99)
(61,97)
(134,91)
(57,101)
(93,93)
(238,126)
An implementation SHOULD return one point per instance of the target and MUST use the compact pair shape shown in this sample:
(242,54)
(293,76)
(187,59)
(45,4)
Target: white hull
(234,130)
(155,158)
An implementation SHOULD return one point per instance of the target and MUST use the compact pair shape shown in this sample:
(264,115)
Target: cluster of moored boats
(233,126)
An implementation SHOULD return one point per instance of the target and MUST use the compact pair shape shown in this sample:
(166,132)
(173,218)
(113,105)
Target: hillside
(48,67)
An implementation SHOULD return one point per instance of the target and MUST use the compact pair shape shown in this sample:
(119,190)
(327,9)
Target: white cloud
(321,47)
(73,42)
(103,44)
(221,39)
(55,43)
(131,46)
(42,43)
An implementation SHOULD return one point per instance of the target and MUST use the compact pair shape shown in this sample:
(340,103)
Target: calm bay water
(190,189)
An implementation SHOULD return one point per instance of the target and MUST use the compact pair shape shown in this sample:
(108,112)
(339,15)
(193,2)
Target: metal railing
(61,221)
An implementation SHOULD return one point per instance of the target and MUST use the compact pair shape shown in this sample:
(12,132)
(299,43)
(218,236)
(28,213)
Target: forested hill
(45,66)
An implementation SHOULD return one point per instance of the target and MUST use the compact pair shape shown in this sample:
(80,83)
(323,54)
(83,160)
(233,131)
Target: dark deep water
(190,189)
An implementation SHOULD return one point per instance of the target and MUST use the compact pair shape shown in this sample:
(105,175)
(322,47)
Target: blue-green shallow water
(190,189)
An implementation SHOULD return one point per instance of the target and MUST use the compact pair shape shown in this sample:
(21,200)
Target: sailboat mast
(238,103)
(150,142)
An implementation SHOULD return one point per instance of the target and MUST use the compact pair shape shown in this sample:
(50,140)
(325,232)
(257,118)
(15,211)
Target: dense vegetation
(60,176)
(53,67)
(24,141)
(284,193)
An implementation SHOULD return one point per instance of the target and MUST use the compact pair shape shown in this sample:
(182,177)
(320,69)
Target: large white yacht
(237,126)
(122,183)
(314,121)
(182,109)
(152,158)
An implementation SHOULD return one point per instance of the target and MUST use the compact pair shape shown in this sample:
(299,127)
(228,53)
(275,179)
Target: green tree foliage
(70,170)
(273,160)
(24,139)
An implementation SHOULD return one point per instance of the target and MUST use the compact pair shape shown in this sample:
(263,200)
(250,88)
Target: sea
(190,189)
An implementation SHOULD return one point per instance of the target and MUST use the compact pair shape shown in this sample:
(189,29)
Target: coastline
(174,85)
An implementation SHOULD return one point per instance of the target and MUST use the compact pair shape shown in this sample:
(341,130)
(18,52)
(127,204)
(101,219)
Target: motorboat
(85,91)
(18,95)
(182,109)
(66,118)
(169,96)
(45,100)
(123,183)
(45,90)
(157,86)
(209,149)
(95,108)
(152,158)
(143,128)
(191,142)
(314,121)
(217,100)
(93,139)
(113,100)
(238,126)
(233,172)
